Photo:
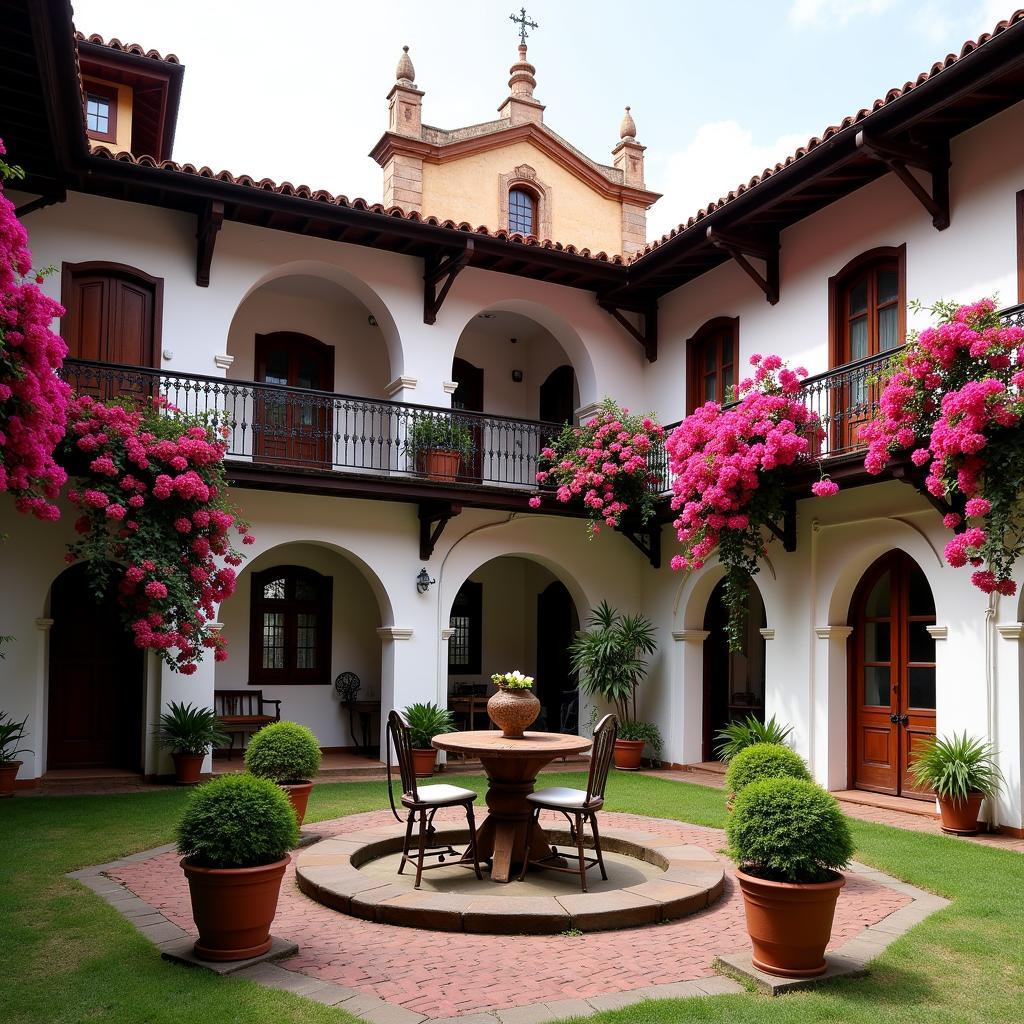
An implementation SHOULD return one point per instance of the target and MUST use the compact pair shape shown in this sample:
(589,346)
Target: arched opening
(302,629)
(513,613)
(733,680)
(96,680)
(892,674)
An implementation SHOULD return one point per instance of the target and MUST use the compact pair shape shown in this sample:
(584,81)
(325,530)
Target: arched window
(867,303)
(522,211)
(712,355)
(290,626)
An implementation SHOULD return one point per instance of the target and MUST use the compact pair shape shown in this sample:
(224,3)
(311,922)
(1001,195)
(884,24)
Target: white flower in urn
(514,680)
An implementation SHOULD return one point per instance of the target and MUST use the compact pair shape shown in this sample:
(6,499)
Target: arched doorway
(892,674)
(95,682)
(733,680)
(558,396)
(557,686)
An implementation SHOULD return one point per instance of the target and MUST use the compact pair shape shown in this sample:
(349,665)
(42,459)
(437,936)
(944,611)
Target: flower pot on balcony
(442,465)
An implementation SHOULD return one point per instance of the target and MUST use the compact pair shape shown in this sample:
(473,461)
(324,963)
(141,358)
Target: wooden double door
(892,661)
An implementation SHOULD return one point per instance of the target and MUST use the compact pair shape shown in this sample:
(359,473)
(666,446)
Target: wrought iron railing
(302,429)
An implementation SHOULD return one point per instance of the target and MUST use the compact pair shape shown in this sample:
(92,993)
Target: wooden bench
(242,711)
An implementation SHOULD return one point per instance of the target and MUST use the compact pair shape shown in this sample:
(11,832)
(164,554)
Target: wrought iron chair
(422,803)
(579,808)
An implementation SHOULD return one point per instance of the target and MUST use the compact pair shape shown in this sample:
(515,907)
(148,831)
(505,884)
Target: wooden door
(289,426)
(557,624)
(469,395)
(96,681)
(558,396)
(893,674)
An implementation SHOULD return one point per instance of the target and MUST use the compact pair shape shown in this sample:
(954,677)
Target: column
(1009,738)
(828,711)
(35,763)
(686,742)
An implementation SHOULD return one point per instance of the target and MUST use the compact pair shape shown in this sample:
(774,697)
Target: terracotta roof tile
(133,48)
(892,95)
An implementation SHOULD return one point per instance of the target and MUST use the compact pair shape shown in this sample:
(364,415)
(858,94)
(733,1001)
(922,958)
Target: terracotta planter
(233,908)
(789,924)
(513,711)
(298,793)
(187,768)
(960,819)
(627,754)
(442,465)
(8,773)
(424,761)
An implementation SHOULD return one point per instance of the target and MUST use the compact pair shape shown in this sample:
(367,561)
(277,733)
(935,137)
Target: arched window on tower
(522,211)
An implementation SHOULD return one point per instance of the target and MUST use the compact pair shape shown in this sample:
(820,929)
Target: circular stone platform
(651,879)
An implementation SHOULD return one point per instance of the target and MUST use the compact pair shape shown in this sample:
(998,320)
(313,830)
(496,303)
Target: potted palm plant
(739,735)
(439,445)
(610,660)
(234,839)
(963,772)
(286,753)
(189,733)
(789,838)
(425,722)
(11,734)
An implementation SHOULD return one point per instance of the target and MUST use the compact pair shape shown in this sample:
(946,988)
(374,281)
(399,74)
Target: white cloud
(721,155)
(836,13)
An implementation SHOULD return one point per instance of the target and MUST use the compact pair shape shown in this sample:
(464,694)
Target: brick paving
(456,975)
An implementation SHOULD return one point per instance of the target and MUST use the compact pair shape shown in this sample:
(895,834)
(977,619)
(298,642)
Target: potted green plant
(189,732)
(610,660)
(513,707)
(425,722)
(234,839)
(763,761)
(11,734)
(963,772)
(286,753)
(736,736)
(789,839)
(439,445)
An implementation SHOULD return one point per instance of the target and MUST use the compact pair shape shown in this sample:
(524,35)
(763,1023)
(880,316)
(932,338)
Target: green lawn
(67,957)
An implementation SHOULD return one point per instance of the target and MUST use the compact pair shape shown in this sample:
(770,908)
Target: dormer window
(522,208)
(100,112)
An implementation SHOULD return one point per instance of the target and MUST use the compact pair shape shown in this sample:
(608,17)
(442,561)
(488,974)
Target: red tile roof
(133,48)
(848,122)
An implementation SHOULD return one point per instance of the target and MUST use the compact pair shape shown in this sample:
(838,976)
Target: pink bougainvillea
(604,465)
(955,399)
(728,484)
(33,399)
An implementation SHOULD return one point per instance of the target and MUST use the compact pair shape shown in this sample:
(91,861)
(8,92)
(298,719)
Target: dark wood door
(893,674)
(558,396)
(469,395)
(557,690)
(289,426)
(96,681)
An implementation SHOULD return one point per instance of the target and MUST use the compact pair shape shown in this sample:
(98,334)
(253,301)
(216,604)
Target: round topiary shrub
(237,821)
(788,830)
(283,752)
(764,761)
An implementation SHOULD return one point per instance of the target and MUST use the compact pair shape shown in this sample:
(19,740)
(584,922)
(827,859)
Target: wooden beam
(739,247)
(434,270)
(787,532)
(646,539)
(900,157)
(209,223)
(648,335)
(434,516)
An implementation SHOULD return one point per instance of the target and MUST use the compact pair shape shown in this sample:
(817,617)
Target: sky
(719,90)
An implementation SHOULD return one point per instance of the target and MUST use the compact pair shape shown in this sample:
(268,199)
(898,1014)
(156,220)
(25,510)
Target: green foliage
(427,721)
(957,766)
(283,752)
(737,736)
(764,761)
(440,432)
(609,657)
(185,729)
(11,734)
(646,731)
(237,821)
(788,830)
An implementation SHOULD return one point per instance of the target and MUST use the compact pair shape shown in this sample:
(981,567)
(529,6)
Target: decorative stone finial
(522,83)
(627,129)
(405,72)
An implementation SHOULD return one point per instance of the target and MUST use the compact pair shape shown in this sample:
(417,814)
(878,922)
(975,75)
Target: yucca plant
(186,729)
(737,736)
(11,734)
(957,766)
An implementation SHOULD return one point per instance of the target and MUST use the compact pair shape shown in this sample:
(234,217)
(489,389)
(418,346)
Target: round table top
(491,743)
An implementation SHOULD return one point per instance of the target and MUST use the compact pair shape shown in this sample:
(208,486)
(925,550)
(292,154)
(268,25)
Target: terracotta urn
(513,711)
(187,768)
(298,794)
(960,818)
(442,465)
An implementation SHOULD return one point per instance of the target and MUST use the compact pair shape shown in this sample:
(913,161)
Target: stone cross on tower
(523,24)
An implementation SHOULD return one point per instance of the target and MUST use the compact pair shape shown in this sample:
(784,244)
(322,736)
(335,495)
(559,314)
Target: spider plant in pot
(188,733)
(790,839)
(963,772)
(286,753)
(439,445)
(11,734)
(609,659)
(234,839)
(425,722)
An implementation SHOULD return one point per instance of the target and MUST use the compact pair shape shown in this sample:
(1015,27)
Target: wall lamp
(423,581)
